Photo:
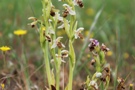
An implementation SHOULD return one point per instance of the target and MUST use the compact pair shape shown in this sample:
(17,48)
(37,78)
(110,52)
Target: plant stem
(58,70)
(98,65)
(71,64)
(25,66)
(71,69)
(4,60)
(47,64)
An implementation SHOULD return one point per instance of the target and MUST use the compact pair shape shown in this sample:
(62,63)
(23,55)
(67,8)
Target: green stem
(71,69)
(47,64)
(25,65)
(58,70)
(71,64)
(4,60)
(107,82)
(57,79)
(131,87)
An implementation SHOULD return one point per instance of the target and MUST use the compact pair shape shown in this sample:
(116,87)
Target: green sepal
(66,27)
(102,57)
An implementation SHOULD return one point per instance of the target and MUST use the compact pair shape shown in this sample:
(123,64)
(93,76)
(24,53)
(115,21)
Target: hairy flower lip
(64,53)
(32,24)
(104,48)
(93,43)
(57,43)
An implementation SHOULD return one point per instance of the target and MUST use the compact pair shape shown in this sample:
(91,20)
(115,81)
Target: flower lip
(57,43)
(32,24)
(104,48)
(64,53)
(93,43)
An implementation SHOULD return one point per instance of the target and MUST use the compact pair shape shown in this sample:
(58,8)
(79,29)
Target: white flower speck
(98,74)
(93,84)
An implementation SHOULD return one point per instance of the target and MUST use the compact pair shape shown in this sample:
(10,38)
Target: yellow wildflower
(90,11)
(131,85)
(20,32)
(109,53)
(126,55)
(87,32)
(4,48)
(2,86)
(88,56)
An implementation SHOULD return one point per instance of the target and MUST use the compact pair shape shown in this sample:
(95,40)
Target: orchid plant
(52,46)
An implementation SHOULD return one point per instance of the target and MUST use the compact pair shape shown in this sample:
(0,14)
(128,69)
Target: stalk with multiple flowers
(51,44)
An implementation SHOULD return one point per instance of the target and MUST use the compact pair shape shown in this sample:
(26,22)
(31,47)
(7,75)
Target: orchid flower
(93,84)
(78,33)
(93,43)
(69,9)
(57,43)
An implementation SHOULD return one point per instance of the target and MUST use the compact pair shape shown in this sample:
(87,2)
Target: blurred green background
(115,27)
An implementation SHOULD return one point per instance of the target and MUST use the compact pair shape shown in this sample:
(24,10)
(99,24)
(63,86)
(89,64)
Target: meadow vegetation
(67,45)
